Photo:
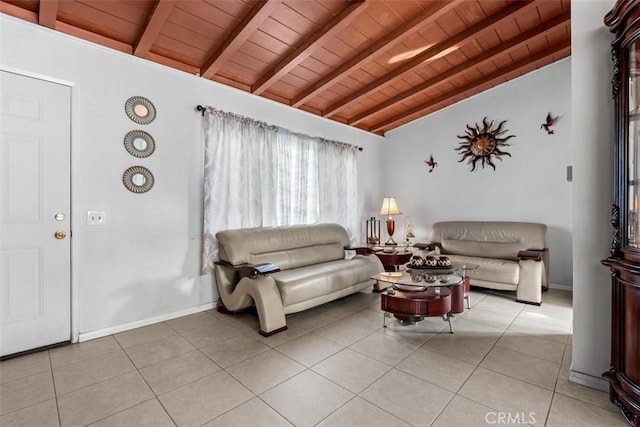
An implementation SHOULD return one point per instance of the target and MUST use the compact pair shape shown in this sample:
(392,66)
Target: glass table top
(427,276)
(419,279)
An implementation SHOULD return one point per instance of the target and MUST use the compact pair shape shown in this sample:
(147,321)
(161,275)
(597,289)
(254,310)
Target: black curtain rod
(202,109)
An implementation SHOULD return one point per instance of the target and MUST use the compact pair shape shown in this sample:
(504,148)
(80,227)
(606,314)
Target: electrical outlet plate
(96,218)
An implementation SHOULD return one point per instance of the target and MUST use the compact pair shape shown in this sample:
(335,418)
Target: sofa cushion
(491,269)
(287,247)
(304,283)
(506,250)
(497,239)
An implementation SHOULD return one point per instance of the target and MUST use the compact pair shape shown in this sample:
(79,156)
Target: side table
(391,261)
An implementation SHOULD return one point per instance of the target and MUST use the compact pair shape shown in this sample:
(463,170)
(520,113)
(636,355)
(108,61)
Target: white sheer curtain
(261,175)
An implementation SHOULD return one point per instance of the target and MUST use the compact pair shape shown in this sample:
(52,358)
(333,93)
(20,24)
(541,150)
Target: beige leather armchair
(312,270)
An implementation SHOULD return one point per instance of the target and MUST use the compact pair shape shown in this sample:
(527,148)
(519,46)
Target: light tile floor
(506,364)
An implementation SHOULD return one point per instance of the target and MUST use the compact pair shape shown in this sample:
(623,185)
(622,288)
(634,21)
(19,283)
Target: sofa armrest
(427,246)
(246,270)
(360,250)
(531,254)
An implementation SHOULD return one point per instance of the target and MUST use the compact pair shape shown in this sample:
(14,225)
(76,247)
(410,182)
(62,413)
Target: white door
(35,205)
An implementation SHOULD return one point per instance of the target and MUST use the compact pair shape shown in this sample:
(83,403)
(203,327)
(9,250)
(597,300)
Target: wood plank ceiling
(374,64)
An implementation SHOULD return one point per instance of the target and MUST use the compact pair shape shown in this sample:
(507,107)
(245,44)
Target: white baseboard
(589,380)
(561,287)
(86,336)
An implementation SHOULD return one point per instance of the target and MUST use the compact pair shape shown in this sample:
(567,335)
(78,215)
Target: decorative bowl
(431,261)
(416,261)
(444,261)
(430,278)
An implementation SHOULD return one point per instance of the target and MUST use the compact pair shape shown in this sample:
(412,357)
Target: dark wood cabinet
(624,373)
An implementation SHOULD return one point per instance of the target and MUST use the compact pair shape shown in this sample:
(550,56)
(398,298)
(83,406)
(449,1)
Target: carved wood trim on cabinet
(624,263)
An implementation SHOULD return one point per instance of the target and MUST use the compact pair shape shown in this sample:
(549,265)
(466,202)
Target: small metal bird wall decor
(431,163)
(550,122)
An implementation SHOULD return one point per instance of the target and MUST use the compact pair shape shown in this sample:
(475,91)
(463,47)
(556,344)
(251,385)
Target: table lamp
(389,208)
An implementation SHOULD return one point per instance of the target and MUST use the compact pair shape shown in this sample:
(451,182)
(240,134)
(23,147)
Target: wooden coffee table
(412,307)
(409,307)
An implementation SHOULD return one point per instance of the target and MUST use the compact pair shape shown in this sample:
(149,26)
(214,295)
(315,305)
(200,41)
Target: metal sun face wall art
(483,144)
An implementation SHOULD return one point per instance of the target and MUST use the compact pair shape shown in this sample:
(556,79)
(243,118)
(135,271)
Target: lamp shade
(390,207)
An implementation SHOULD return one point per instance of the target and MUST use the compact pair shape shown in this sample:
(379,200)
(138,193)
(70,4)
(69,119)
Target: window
(260,175)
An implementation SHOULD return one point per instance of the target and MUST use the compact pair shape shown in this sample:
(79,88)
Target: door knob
(60,234)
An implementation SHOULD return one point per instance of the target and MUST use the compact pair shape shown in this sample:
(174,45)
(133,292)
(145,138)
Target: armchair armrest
(531,254)
(427,246)
(246,270)
(360,250)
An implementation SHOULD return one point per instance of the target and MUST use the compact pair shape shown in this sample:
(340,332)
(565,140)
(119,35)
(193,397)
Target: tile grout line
(564,351)
(274,409)
(155,396)
(478,366)
(396,367)
(553,392)
(98,382)
(462,397)
(196,349)
(242,332)
(546,419)
(123,410)
(213,373)
(242,384)
(312,371)
(86,359)
(55,393)
(38,402)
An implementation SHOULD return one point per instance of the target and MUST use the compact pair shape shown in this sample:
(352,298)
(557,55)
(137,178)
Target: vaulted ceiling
(374,64)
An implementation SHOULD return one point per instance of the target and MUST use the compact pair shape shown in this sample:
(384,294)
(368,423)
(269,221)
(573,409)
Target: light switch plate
(96,218)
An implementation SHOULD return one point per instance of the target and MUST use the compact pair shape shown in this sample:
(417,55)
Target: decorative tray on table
(419,263)
(426,267)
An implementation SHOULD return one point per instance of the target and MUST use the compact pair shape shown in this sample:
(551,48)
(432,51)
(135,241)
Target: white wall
(530,185)
(593,135)
(145,262)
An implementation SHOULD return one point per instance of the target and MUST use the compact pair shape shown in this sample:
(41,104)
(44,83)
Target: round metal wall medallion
(140,110)
(138,179)
(139,143)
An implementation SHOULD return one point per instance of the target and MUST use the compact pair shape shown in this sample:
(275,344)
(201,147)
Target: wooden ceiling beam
(96,38)
(155,20)
(477,61)
(493,78)
(315,41)
(169,62)
(380,46)
(240,34)
(18,12)
(472,32)
(48,13)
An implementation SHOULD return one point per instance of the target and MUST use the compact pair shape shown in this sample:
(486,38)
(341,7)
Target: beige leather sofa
(511,255)
(313,270)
